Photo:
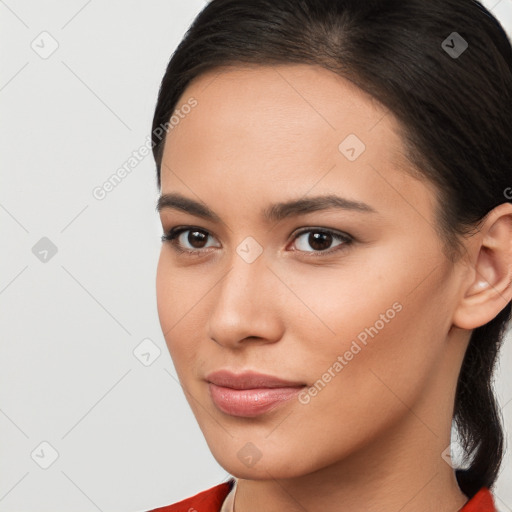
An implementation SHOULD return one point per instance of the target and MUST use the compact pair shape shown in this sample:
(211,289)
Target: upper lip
(249,380)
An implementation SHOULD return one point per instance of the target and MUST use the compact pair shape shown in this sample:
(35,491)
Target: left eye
(320,240)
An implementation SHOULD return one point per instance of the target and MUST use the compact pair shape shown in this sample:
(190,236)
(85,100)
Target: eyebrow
(273,213)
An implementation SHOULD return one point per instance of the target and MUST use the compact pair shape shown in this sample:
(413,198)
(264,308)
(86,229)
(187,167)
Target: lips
(250,394)
(249,380)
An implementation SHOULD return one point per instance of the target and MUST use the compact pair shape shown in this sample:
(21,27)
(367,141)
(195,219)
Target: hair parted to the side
(455,115)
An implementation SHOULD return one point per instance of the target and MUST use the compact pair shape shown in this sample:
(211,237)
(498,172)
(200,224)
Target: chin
(261,460)
(262,470)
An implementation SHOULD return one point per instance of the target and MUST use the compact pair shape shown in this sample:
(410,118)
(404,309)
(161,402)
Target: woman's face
(352,298)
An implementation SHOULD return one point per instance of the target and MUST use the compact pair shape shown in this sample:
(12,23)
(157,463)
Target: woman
(335,274)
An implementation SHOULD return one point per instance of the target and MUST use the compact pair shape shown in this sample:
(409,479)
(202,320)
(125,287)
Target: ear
(488,288)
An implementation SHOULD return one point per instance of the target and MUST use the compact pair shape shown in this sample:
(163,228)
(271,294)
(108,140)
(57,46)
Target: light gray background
(125,436)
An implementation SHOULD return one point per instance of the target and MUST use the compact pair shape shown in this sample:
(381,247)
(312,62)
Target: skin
(372,438)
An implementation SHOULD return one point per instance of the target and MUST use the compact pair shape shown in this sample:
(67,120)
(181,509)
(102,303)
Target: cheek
(370,332)
(164,296)
(181,304)
(177,292)
(171,303)
(337,305)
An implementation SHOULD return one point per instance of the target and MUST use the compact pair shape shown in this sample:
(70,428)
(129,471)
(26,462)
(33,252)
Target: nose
(247,305)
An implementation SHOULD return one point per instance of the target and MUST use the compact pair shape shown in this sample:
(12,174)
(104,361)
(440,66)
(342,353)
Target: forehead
(299,105)
(295,126)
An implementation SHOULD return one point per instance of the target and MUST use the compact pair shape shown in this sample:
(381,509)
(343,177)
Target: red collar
(211,501)
(207,501)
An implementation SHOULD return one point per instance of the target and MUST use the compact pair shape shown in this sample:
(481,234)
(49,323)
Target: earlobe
(490,288)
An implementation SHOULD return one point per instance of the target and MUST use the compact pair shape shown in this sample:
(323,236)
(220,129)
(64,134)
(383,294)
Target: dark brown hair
(455,112)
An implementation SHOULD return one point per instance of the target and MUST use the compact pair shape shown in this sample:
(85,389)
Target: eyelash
(172,235)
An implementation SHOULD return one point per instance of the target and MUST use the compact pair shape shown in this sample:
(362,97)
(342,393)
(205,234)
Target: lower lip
(250,402)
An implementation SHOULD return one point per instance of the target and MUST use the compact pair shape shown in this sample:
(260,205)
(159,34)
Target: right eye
(196,238)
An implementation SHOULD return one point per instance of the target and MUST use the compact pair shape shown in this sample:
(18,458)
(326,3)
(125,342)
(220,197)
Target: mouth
(250,394)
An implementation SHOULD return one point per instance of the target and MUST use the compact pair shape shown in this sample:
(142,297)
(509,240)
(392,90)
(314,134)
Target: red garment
(206,501)
(212,499)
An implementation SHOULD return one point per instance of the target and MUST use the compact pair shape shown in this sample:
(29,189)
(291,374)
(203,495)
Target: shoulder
(207,501)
